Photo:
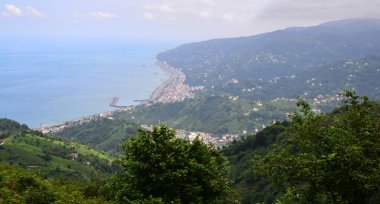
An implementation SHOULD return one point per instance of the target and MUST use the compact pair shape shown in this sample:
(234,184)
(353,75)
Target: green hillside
(332,56)
(212,114)
(51,157)
(20,186)
(313,158)
(272,69)
(104,134)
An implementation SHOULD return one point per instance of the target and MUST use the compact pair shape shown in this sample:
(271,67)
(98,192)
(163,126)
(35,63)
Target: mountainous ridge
(315,63)
(287,52)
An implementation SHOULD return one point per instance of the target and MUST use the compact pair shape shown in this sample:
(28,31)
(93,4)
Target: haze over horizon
(170,20)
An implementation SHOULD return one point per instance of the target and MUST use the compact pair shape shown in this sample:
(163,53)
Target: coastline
(157,93)
(170,90)
(173,76)
(173,89)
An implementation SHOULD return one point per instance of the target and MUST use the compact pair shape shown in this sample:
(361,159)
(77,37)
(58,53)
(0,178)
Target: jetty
(142,101)
(114,104)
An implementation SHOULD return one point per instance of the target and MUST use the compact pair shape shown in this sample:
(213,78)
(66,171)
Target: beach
(173,89)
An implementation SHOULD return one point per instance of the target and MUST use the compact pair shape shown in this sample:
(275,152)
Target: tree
(158,167)
(328,157)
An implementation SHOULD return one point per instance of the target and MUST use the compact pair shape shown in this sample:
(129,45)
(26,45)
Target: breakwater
(114,104)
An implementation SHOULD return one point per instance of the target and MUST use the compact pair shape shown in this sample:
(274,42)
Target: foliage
(11,126)
(157,165)
(102,134)
(19,186)
(240,154)
(213,114)
(53,157)
(328,157)
(8,128)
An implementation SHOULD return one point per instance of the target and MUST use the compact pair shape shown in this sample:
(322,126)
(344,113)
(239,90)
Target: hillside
(213,114)
(310,61)
(20,186)
(104,134)
(307,152)
(51,157)
(241,156)
(271,69)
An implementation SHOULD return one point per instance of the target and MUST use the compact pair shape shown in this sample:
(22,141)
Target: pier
(142,101)
(114,104)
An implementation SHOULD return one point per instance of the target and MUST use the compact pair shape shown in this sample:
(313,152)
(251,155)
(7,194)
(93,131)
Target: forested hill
(316,60)
(104,134)
(312,158)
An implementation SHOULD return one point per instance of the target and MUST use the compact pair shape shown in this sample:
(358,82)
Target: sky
(170,19)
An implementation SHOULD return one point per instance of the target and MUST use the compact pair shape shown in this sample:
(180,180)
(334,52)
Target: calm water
(51,87)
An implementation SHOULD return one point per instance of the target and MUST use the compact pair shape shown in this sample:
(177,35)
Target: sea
(49,82)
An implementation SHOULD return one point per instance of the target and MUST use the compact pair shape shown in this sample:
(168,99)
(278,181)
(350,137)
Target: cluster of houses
(52,128)
(174,89)
(205,137)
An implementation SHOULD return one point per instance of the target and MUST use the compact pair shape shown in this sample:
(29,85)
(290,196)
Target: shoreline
(170,90)
(159,91)
(173,89)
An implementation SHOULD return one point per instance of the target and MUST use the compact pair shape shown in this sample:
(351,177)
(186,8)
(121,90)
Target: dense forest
(313,158)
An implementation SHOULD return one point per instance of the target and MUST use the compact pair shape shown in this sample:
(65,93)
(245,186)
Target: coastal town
(203,136)
(171,90)
(189,135)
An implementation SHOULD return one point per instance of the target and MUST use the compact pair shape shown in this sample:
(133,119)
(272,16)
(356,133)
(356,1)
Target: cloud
(99,15)
(102,15)
(149,16)
(322,9)
(197,10)
(164,7)
(205,14)
(34,12)
(228,17)
(13,10)
(208,2)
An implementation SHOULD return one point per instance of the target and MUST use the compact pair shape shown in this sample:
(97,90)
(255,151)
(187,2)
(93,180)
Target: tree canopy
(158,167)
(328,157)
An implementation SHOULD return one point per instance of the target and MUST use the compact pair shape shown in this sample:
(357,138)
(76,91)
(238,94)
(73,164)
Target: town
(189,135)
(173,89)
